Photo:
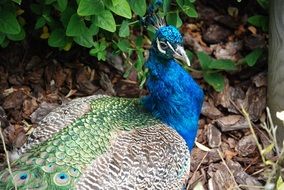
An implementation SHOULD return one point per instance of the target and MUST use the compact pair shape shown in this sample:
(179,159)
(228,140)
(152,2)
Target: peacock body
(101,142)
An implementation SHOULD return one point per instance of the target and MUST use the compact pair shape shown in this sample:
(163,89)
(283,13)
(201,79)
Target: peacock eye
(163,45)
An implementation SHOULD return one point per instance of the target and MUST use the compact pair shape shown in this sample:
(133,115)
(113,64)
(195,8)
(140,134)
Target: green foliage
(263,3)
(253,56)
(10,26)
(259,21)
(107,24)
(93,24)
(99,50)
(280,184)
(212,68)
(186,7)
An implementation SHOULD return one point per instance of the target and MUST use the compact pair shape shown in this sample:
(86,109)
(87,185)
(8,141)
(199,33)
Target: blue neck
(174,97)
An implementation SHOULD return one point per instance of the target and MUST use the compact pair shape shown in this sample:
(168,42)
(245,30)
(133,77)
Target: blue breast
(174,97)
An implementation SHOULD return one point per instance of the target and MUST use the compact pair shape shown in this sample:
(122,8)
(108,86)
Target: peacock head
(168,44)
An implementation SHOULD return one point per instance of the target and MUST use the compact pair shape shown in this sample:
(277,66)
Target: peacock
(103,142)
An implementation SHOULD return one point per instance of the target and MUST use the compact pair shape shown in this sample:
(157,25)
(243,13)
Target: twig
(272,130)
(252,186)
(194,173)
(272,180)
(230,172)
(7,156)
(245,114)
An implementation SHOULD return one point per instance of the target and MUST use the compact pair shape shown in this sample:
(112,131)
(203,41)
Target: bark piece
(232,122)
(254,41)
(29,106)
(221,178)
(14,100)
(213,136)
(242,177)
(260,79)
(246,146)
(215,34)
(228,51)
(255,102)
(209,110)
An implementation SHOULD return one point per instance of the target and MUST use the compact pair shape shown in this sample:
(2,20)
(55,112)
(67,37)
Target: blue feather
(174,97)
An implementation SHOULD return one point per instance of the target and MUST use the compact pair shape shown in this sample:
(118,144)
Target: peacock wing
(58,119)
(155,157)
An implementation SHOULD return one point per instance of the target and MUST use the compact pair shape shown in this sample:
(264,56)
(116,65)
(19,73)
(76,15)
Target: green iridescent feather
(59,161)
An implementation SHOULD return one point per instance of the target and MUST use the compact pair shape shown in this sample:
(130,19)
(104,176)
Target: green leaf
(57,38)
(48,2)
(5,43)
(101,55)
(17,1)
(103,45)
(90,7)
(99,50)
(93,29)
(259,21)
(95,50)
(121,8)
(66,16)
(223,64)
(280,183)
(253,56)
(263,3)
(140,61)
(189,55)
(174,19)
(40,22)
(190,11)
(105,21)
(123,45)
(17,37)
(85,40)
(139,41)
(124,29)
(62,4)
(216,80)
(267,149)
(188,8)
(2,37)
(138,6)
(76,26)
(9,23)
(204,59)
(166,6)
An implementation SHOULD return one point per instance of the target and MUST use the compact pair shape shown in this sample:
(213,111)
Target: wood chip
(232,122)
(213,136)
(242,177)
(246,146)
(209,110)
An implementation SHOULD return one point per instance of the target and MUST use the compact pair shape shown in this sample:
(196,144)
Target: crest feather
(152,18)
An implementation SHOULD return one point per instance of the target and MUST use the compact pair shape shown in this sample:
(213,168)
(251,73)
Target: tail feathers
(51,177)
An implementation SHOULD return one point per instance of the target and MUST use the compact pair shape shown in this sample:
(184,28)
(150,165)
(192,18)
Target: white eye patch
(159,46)
(171,47)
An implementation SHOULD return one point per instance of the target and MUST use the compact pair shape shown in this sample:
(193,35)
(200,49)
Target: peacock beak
(180,54)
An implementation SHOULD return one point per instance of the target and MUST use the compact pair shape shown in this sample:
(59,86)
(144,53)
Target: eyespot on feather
(21,178)
(61,179)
